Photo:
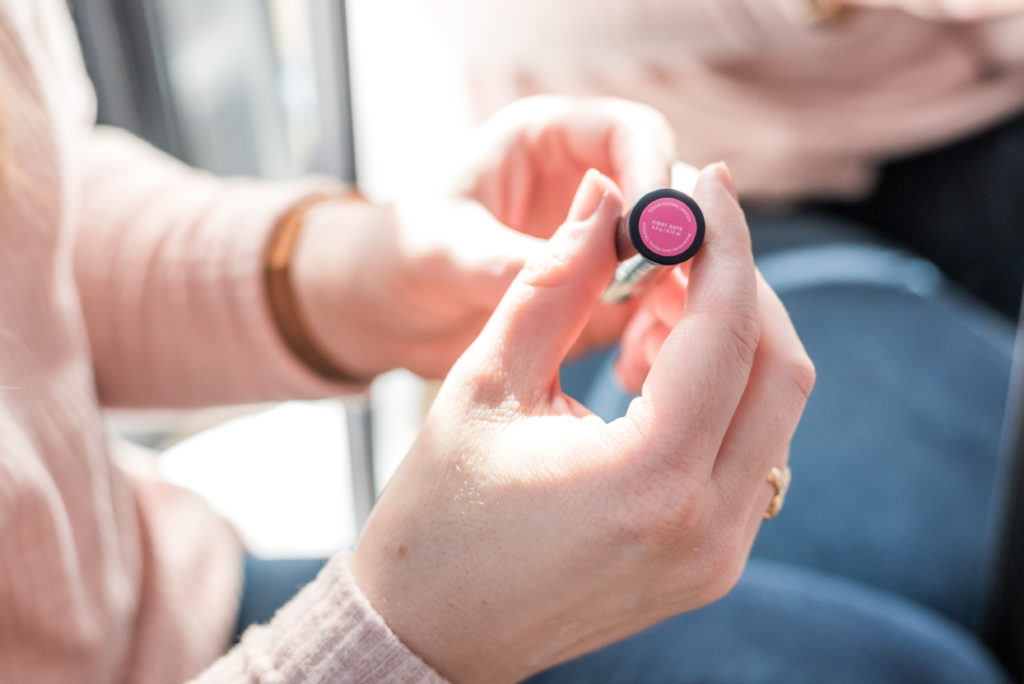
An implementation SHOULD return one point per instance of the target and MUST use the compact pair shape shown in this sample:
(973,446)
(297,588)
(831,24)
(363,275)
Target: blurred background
(266,88)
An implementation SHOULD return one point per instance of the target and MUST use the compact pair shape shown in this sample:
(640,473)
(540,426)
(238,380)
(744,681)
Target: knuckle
(476,381)
(679,530)
(744,336)
(713,565)
(797,374)
(725,574)
(803,376)
(725,554)
(545,270)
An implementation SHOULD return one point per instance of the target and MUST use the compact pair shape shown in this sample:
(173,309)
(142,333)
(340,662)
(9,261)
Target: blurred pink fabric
(797,109)
(131,280)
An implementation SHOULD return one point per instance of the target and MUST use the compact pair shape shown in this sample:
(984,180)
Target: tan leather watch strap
(280,287)
(825,10)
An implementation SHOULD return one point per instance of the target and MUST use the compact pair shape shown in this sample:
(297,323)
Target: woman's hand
(521,530)
(525,163)
(411,284)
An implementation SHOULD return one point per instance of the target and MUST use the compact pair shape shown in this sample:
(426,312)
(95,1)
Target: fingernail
(725,177)
(589,196)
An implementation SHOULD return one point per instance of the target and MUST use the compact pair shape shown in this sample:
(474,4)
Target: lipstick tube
(664,228)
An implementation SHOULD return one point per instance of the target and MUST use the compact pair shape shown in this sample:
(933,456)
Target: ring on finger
(779,478)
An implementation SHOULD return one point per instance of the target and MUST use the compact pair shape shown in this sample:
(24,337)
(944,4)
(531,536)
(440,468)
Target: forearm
(170,269)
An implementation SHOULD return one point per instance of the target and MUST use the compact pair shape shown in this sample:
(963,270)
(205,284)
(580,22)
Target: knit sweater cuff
(328,633)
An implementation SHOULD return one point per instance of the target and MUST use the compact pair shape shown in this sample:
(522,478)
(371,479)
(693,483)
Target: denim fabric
(785,624)
(268,584)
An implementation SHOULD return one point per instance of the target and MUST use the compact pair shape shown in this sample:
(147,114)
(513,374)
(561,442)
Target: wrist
(337,282)
(404,583)
(290,291)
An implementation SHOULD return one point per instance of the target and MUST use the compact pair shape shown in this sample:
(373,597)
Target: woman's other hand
(411,284)
(521,530)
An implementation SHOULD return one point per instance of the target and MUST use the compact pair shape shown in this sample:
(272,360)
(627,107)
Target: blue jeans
(786,624)
(267,584)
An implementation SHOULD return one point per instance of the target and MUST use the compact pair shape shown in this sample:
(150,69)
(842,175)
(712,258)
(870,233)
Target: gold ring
(778,478)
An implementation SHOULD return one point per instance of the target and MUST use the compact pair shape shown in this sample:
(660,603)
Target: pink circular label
(667,227)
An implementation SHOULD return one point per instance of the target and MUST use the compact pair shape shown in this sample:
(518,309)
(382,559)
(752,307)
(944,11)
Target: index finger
(699,376)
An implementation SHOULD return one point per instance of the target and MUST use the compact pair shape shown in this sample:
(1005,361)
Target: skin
(521,530)
(381,287)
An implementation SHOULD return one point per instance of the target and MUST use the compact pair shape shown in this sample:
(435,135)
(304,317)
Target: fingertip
(588,198)
(586,237)
(592,194)
(716,178)
(724,176)
(726,222)
(587,233)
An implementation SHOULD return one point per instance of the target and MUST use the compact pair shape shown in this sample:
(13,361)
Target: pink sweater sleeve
(724,28)
(327,633)
(168,262)
(708,28)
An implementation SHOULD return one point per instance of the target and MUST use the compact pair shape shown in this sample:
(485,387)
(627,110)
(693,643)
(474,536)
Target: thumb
(552,297)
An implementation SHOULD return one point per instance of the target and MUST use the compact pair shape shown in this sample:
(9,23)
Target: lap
(786,624)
